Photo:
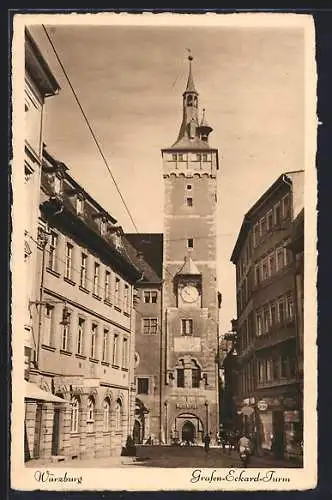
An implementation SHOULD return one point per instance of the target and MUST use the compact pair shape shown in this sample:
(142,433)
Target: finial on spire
(190,57)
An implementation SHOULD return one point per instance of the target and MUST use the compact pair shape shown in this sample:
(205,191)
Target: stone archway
(188,425)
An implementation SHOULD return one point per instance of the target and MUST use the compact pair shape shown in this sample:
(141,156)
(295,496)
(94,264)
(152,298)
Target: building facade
(190,309)
(269,379)
(84,323)
(40,84)
(148,377)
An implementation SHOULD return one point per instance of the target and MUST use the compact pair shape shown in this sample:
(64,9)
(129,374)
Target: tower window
(189,187)
(180,157)
(142,385)
(190,243)
(204,157)
(195,377)
(180,377)
(189,100)
(187,326)
(174,156)
(189,202)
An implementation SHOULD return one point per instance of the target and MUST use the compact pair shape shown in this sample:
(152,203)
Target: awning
(32,391)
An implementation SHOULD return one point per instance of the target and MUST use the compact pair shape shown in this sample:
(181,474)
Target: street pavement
(170,457)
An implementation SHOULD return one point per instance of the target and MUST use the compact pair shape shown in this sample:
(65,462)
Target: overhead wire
(99,148)
(90,127)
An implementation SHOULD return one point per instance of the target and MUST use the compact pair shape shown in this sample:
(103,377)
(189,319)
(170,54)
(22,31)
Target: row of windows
(76,416)
(87,340)
(189,378)
(191,157)
(273,218)
(184,377)
(274,313)
(274,262)
(277,368)
(265,269)
(150,326)
(150,297)
(113,290)
(262,371)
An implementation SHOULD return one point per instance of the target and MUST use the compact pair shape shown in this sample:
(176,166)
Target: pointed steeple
(190,134)
(189,267)
(190,83)
(204,129)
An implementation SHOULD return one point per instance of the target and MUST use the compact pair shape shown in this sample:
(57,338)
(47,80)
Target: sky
(130,81)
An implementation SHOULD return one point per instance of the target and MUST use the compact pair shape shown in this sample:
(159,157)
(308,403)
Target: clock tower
(190,306)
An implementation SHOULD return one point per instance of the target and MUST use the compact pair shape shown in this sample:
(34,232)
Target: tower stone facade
(190,306)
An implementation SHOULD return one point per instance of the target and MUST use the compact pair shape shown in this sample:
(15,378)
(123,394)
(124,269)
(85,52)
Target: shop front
(39,421)
(274,424)
(91,422)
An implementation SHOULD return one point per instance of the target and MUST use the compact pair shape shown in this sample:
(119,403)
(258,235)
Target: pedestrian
(244,443)
(207,440)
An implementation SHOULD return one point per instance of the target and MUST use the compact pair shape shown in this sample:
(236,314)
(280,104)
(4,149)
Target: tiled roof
(186,143)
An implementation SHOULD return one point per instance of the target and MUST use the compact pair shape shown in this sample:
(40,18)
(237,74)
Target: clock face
(189,294)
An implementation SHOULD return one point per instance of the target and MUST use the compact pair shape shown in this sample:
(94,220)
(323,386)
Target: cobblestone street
(170,457)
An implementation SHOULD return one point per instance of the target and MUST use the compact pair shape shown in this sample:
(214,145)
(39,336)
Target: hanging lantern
(65,316)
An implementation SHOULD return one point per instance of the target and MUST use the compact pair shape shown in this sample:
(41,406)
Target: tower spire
(192,134)
(190,83)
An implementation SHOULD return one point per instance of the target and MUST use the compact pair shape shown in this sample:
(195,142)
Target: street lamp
(166,417)
(207,416)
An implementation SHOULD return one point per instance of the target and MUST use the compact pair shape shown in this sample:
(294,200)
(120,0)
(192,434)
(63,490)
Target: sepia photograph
(163,252)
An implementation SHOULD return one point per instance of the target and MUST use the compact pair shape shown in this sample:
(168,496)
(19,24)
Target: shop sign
(186,403)
(262,405)
(247,411)
(187,344)
(291,416)
(289,402)
(66,388)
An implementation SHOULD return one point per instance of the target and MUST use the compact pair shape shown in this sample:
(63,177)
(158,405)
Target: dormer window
(103,226)
(79,205)
(117,240)
(57,184)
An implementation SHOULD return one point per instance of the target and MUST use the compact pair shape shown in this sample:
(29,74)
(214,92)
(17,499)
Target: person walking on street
(207,440)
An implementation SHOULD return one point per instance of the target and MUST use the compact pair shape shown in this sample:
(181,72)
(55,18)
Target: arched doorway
(188,432)
(137,432)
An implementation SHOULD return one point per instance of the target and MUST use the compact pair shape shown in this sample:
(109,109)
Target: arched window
(74,416)
(91,414)
(189,100)
(106,414)
(118,411)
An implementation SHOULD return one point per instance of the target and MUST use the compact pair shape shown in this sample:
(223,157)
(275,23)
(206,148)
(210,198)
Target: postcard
(163,256)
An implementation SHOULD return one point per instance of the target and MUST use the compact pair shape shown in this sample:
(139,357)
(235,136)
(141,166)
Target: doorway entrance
(37,433)
(137,432)
(188,432)
(56,432)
